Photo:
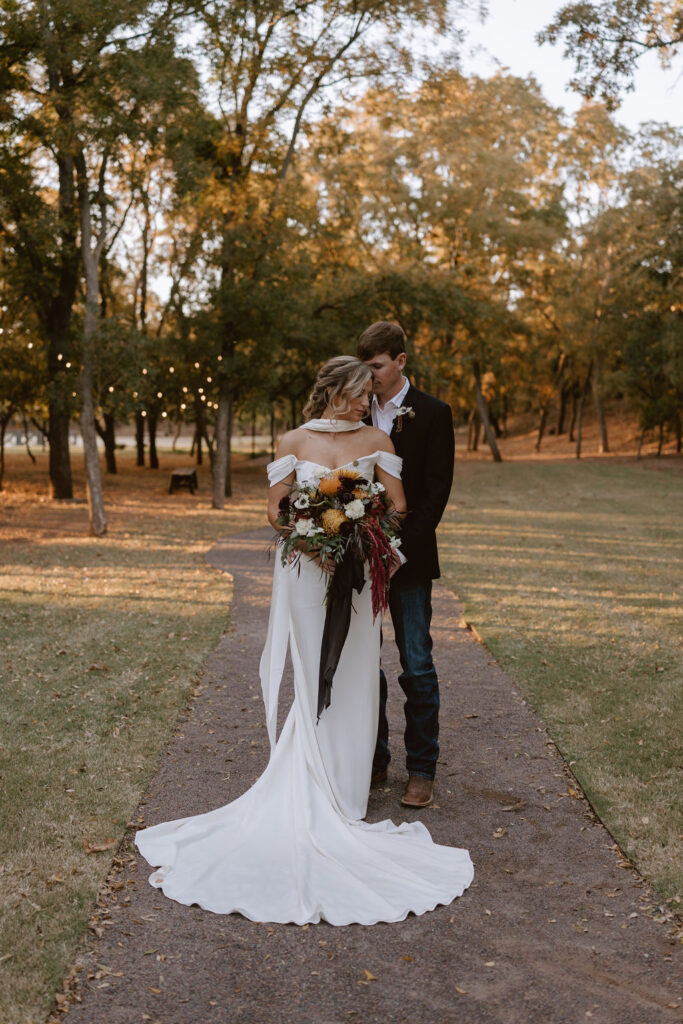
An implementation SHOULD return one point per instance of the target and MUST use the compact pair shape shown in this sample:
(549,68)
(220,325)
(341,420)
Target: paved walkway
(554,930)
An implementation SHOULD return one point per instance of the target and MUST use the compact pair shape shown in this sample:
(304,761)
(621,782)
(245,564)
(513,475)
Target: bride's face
(358,407)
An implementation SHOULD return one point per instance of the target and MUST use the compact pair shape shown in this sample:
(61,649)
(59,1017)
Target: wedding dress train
(293,848)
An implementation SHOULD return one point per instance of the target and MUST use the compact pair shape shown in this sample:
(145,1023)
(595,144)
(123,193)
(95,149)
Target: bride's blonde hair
(340,379)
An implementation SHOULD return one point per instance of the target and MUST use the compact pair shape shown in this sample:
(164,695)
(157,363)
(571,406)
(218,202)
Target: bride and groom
(294,847)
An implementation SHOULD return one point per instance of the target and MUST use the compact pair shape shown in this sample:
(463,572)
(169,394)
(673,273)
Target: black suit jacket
(426,444)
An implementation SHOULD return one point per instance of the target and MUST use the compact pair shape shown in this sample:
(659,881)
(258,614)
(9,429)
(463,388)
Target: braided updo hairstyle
(340,379)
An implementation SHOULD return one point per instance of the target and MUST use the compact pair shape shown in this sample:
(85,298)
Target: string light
(183,406)
(144,371)
(135,394)
(111,388)
(143,413)
(68,366)
(30,344)
(164,415)
(184,391)
(220,359)
(159,394)
(171,369)
(60,356)
(200,390)
(196,366)
(209,379)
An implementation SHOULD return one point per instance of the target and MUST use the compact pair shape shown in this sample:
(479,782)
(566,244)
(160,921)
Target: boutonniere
(404,410)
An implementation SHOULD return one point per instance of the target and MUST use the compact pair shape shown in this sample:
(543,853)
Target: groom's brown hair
(381,337)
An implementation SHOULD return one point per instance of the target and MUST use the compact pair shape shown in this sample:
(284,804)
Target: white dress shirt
(384,418)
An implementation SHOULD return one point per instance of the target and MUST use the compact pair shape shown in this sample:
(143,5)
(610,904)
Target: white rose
(395,543)
(306,528)
(355,509)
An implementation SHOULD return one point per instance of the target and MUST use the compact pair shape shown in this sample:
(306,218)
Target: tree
(606,41)
(271,62)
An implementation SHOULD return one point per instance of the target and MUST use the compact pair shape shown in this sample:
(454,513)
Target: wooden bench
(184,477)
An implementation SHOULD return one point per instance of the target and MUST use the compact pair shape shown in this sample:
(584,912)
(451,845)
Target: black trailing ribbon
(348,576)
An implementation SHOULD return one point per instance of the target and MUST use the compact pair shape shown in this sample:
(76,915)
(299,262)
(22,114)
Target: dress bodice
(310,472)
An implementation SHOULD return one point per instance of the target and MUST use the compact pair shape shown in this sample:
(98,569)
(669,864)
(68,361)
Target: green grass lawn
(572,575)
(101,641)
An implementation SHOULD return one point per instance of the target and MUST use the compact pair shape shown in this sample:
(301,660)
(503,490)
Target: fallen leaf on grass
(470,716)
(157,991)
(499,833)
(461,991)
(54,880)
(99,847)
(409,959)
(369,976)
(490,963)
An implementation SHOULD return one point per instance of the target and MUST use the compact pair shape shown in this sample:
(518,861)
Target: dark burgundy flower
(284,503)
(346,528)
(346,497)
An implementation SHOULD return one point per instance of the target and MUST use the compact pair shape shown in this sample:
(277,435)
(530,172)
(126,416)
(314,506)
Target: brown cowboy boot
(419,792)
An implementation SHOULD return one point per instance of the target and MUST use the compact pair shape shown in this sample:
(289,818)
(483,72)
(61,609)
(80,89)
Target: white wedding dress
(294,847)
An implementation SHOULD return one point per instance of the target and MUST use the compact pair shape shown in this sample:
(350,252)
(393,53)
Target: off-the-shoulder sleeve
(391,464)
(280,469)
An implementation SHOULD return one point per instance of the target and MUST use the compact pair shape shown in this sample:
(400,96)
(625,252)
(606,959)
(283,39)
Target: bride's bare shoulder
(379,440)
(289,443)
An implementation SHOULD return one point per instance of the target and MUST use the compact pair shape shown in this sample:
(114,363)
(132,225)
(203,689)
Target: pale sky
(508,36)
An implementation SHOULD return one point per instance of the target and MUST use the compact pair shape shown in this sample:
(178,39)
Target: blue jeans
(410,605)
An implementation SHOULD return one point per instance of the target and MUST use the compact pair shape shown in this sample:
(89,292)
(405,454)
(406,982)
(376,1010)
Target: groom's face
(387,374)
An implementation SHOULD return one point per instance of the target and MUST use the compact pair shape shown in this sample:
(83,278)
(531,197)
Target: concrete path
(556,928)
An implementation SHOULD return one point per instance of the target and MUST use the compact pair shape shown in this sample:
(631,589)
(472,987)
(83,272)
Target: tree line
(200,202)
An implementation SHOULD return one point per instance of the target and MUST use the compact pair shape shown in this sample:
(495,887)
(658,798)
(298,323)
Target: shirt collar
(397,400)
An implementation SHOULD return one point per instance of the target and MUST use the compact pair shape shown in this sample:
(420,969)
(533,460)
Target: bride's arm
(392,484)
(281,489)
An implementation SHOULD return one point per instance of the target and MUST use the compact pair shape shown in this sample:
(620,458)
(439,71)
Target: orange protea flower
(358,492)
(332,519)
(330,485)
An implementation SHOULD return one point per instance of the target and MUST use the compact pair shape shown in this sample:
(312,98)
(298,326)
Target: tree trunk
(292,409)
(484,415)
(579,411)
(28,445)
(61,485)
(108,435)
(222,461)
(3,427)
(679,434)
(90,257)
(140,437)
(572,422)
(660,438)
(272,433)
(641,439)
(152,434)
(176,436)
(253,435)
(562,413)
(597,394)
(228,475)
(541,427)
(473,425)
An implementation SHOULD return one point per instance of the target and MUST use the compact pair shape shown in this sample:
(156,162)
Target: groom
(421,428)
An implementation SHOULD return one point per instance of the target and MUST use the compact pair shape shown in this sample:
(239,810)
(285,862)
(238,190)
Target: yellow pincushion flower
(329,485)
(332,519)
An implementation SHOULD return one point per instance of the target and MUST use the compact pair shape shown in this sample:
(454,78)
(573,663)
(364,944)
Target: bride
(295,847)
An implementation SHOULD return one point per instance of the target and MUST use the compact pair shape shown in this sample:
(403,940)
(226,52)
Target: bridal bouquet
(344,521)
(342,514)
